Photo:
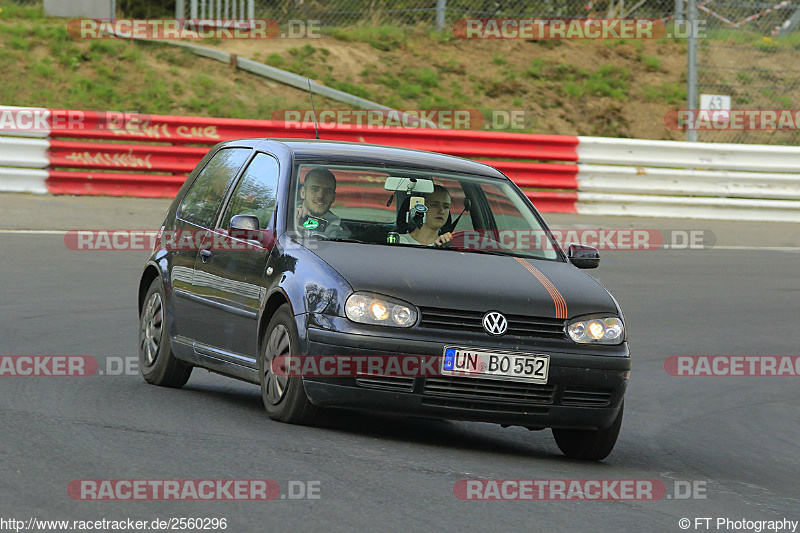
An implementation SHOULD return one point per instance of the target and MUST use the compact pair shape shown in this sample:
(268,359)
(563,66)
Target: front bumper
(583,391)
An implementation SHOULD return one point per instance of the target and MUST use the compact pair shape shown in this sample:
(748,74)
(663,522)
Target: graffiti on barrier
(128,160)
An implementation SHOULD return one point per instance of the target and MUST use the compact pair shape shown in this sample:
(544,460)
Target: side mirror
(246,227)
(583,256)
(244,222)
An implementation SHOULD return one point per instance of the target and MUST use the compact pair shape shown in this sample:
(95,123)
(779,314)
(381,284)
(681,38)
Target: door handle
(205,255)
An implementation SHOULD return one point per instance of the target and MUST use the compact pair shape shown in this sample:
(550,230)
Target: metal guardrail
(281,76)
(678,182)
(295,80)
(640,152)
(688,180)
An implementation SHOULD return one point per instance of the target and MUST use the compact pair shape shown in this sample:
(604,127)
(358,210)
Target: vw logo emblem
(494,323)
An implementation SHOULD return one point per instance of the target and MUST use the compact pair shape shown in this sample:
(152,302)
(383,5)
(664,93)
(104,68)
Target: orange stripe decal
(558,300)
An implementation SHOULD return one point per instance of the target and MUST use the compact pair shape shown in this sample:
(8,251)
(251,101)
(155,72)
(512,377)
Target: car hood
(428,277)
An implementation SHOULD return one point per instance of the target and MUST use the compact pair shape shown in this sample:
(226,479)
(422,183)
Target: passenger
(318,193)
(438,204)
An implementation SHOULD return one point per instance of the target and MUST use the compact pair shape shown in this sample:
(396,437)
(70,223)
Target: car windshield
(402,207)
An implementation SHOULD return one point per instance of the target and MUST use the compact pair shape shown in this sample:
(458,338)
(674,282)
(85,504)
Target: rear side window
(203,198)
(256,192)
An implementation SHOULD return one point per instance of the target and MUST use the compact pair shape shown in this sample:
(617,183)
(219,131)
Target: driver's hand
(443,239)
(302,213)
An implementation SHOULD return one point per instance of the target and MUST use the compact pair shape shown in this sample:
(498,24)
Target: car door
(227,277)
(197,212)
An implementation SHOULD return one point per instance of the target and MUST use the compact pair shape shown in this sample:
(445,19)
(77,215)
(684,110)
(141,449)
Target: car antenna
(311,94)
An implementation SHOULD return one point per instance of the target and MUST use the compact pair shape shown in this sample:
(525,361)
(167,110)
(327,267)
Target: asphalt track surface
(738,436)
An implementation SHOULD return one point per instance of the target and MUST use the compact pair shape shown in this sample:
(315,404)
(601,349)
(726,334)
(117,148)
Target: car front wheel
(156,362)
(588,444)
(284,396)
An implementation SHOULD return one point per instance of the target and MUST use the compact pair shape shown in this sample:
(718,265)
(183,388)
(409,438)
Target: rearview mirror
(583,256)
(418,186)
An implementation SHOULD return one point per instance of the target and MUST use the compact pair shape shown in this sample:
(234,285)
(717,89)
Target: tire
(157,363)
(589,444)
(284,397)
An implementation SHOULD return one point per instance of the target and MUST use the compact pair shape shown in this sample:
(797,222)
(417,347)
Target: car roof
(350,152)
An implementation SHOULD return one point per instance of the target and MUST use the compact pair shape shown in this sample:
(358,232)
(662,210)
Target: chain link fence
(445,12)
(339,13)
(752,55)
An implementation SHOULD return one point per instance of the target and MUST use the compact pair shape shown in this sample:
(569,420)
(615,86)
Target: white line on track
(34,231)
(760,248)
(64,232)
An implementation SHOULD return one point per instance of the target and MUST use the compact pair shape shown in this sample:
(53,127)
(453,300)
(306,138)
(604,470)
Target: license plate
(468,362)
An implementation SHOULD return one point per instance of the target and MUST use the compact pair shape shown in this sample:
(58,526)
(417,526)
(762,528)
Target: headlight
(597,330)
(367,308)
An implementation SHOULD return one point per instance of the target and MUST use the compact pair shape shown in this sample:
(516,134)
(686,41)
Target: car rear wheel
(588,444)
(156,362)
(284,397)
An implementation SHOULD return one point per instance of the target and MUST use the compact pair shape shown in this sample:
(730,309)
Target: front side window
(256,192)
(201,202)
(362,203)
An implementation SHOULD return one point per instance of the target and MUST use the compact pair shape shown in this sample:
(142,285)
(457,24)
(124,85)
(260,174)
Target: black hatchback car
(286,262)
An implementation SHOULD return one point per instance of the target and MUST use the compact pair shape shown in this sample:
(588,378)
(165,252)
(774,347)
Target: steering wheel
(457,240)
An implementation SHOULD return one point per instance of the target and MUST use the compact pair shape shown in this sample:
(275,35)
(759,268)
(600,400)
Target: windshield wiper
(510,253)
(470,250)
(338,239)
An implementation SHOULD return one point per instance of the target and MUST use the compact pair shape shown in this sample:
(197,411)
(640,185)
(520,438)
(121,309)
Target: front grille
(586,397)
(521,325)
(489,390)
(397,383)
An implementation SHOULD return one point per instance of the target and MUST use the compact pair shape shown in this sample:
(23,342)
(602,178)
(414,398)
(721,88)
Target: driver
(318,193)
(438,204)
